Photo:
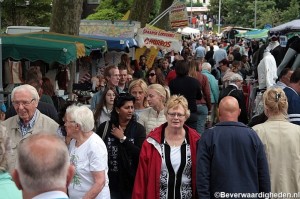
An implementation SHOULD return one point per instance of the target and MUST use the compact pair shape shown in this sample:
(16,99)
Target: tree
(141,10)
(292,12)
(66,16)
(164,23)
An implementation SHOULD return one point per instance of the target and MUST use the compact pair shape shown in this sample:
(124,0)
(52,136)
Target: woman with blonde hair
(281,140)
(138,88)
(167,164)
(153,117)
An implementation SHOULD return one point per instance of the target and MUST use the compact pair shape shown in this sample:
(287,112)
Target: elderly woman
(154,116)
(167,164)
(281,140)
(138,88)
(123,137)
(8,188)
(88,154)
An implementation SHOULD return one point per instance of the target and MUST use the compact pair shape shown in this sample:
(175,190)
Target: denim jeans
(202,112)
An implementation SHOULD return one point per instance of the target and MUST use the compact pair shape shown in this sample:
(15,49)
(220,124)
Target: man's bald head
(229,109)
(43,163)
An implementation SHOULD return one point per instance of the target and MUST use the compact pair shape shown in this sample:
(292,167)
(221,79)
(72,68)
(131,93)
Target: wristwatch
(123,139)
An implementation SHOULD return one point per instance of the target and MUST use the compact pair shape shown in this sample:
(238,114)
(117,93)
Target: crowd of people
(177,129)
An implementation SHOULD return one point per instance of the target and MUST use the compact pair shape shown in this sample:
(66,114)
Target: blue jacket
(231,159)
(294,105)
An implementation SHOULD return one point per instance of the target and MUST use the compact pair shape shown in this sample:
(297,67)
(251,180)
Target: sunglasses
(151,74)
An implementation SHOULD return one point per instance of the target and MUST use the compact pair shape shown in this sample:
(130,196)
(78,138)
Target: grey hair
(206,66)
(235,77)
(28,88)
(83,116)
(43,162)
(4,148)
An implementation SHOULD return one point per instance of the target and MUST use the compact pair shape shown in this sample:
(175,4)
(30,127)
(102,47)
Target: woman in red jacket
(167,164)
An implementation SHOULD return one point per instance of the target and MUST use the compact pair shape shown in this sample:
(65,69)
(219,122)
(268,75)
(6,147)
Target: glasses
(179,115)
(66,121)
(151,74)
(23,103)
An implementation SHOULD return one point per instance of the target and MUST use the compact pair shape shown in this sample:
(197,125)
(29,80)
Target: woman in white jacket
(157,95)
(281,141)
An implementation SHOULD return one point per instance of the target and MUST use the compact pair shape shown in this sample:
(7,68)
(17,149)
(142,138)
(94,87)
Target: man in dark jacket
(234,90)
(231,157)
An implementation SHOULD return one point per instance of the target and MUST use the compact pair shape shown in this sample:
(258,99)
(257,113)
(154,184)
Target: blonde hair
(275,101)
(176,100)
(162,91)
(141,83)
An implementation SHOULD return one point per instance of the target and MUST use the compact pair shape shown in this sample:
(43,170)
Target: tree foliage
(241,12)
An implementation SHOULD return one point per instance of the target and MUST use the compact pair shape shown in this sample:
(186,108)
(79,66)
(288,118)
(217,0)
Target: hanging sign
(178,16)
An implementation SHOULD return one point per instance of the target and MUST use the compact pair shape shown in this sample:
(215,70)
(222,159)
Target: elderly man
(234,89)
(29,120)
(231,157)
(43,167)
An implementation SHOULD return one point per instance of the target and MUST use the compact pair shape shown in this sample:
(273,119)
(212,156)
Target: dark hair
(107,71)
(47,86)
(295,78)
(182,68)
(284,72)
(119,101)
(102,102)
(224,61)
(160,79)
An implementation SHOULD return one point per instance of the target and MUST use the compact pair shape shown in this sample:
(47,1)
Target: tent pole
(1,74)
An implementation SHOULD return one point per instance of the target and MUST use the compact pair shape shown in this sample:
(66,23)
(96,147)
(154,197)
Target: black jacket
(231,90)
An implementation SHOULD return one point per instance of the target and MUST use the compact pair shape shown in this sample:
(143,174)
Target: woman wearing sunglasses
(167,165)
(155,76)
(123,137)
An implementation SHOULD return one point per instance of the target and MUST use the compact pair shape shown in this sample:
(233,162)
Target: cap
(3,108)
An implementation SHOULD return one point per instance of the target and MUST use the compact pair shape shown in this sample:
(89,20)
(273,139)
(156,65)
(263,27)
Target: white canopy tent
(189,31)
(287,27)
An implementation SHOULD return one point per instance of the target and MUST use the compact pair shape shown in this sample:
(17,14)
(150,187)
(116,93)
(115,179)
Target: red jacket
(147,179)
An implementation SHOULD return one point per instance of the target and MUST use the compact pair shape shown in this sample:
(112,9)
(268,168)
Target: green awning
(33,49)
(93,44)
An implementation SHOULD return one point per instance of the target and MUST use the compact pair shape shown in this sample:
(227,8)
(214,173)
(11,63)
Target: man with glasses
(29,120)
(112,76)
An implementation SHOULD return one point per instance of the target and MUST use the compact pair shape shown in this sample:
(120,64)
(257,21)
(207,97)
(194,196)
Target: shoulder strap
(231,91)
(105,130)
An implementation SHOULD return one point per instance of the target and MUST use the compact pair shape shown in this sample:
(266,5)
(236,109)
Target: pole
(255,7)
(161,15)
(219,25)
(191,15)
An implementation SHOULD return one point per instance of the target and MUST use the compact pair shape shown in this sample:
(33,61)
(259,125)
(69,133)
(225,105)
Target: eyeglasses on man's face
(173,115)
(23,103)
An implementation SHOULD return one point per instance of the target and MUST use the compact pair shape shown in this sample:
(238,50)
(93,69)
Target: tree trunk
(66,16)
(140,11)
(164,23)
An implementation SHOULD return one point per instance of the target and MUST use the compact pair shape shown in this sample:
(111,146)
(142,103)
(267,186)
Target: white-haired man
(234,90)
(43,167)
(214,88)
(29,120)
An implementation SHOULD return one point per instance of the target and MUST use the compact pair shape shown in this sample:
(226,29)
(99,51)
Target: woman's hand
(117,132)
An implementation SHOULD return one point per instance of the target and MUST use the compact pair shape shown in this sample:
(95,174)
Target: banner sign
(109,28)
(160,39)
(178,16)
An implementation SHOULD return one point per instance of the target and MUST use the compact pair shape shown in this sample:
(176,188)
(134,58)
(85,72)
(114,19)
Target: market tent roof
(286,27)
(254,34)
(114,43)
(93,44)
(33,49)
(188,31)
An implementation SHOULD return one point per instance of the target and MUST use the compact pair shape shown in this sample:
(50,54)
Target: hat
(235,77)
